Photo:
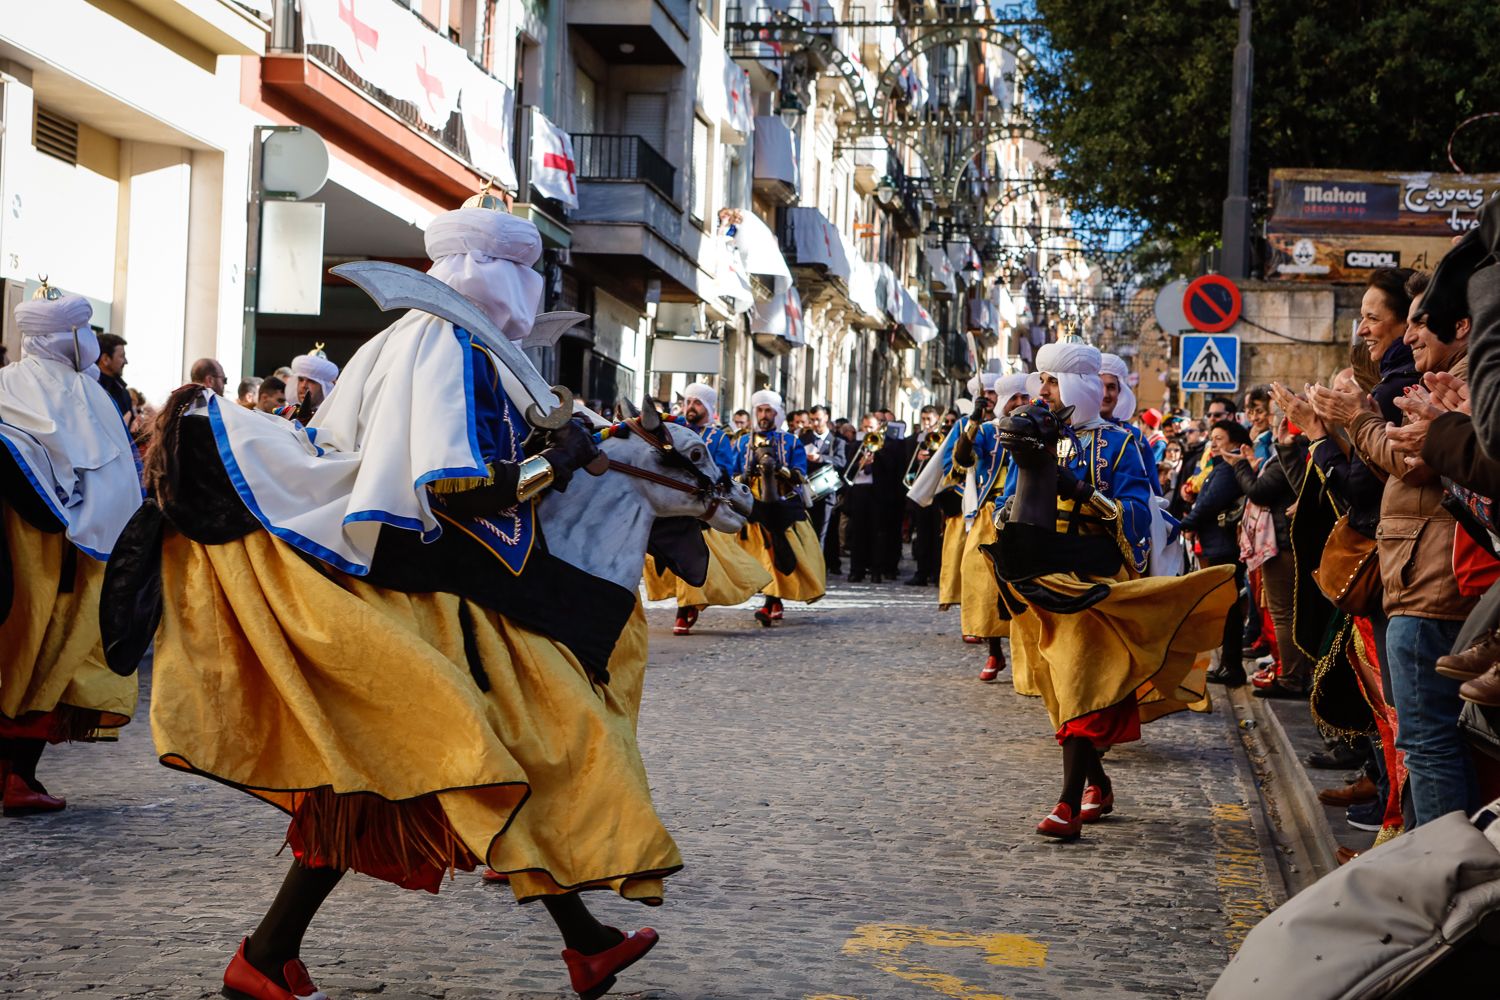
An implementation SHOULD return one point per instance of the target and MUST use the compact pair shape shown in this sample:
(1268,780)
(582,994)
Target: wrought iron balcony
(602,157)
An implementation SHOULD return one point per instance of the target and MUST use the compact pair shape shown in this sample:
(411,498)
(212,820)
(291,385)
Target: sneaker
(1366,816)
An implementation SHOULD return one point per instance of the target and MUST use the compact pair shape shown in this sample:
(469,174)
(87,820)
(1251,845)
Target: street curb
(1301,840)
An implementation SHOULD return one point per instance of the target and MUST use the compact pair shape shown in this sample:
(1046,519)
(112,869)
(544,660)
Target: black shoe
(1340,757)
(858,577)
(1229,678)
(1278,690)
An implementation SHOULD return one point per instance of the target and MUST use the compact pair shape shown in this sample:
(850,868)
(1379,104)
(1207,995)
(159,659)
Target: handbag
(1348,571)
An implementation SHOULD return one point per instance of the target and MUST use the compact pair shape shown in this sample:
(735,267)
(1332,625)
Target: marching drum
(825,482)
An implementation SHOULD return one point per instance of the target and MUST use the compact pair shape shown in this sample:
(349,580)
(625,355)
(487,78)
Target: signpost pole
(1236,259)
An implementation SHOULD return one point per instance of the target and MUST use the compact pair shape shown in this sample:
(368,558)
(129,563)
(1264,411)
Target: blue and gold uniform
(734,576)
(980,594)
(950,499)
(779,534)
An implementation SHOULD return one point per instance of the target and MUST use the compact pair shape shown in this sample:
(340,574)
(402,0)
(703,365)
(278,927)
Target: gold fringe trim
(363,832)
(445,487)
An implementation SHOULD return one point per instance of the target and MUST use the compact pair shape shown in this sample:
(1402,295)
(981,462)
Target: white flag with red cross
(554,174)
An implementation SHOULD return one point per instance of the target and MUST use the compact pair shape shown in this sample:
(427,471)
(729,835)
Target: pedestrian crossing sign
(1210,363)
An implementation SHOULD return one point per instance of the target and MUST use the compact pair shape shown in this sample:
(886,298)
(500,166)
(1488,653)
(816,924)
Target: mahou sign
(1338,225)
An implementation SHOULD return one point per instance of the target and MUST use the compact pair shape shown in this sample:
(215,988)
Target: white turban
(704,394)
(316,369)
(1076,368)
(983,382)
(766,397)
(487,255)
(1009,385)
(1113,364)
(47,327)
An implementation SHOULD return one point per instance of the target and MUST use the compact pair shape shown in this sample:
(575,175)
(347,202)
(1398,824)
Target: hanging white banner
(388,47)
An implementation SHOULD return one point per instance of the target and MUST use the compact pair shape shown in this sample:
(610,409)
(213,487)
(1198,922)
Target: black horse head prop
(1030,433)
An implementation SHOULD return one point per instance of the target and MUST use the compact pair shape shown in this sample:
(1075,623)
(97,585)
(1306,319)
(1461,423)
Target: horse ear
(650,416)
(626,407)
(1065,414)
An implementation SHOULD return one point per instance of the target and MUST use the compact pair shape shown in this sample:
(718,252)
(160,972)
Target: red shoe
(1264,678)
(776,613)
(494,877)
(683,626)
(991,669)
(1096,804)
(243,981)
(973,640)
(593,975)
(763,616)
(23,800)
(1060,823)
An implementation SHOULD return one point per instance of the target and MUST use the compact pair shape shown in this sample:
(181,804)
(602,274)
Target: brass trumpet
(872,443)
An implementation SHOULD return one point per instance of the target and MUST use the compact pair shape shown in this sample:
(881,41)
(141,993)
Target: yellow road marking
(1238,872)
(884,944)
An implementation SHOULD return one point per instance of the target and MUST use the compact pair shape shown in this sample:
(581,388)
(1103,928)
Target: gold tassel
(363,832)
(445,487)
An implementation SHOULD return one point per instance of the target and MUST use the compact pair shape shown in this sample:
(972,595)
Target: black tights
(23,756)
(997,651)
(278,939)
(1082,765)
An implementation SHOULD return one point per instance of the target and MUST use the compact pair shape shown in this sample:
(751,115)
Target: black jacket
(1355,487)
(1275,487)
(1221,491)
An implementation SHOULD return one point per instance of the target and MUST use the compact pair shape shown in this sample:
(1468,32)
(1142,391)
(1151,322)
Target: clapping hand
(1299,410)
(1333,407)
(1449,392)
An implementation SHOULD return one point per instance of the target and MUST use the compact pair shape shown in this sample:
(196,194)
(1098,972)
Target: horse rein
(705,489)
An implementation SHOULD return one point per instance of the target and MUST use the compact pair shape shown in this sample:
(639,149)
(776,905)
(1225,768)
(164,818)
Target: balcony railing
(600,157)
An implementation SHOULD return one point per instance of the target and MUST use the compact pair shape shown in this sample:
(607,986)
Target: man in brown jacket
(1415,545)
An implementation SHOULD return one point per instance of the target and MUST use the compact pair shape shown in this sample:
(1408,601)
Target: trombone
(930,444)
(873,442)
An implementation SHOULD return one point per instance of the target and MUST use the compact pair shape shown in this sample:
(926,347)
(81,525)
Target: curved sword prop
(394,286)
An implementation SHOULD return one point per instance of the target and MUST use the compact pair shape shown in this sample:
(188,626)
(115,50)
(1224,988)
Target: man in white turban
(773,463)
(313,378)
(1115,648)
(733,575)
(68,486)
(979,458)
(398,659)
(1118,407)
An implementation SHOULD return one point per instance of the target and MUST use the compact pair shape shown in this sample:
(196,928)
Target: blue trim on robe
(44,494)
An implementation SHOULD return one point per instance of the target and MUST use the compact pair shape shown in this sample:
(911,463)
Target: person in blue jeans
(1414,539)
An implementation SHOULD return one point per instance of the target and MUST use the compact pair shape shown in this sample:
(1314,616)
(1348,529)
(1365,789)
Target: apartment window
(646,116)
(737,176)
(702,156)
(585,103)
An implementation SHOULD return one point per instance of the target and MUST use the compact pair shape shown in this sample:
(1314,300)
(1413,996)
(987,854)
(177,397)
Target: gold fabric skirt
(808,582)
(51,653)
(981,593)
(734,576)
(301,685)
(950,573)
(1144,638)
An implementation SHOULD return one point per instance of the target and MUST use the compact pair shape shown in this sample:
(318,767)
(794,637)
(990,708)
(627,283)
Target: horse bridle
(706,489)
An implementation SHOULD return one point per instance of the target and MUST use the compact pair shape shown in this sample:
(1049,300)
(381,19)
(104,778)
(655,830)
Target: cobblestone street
(855,809)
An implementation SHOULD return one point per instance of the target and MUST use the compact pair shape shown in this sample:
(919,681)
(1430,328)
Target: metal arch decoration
(782,30)
(940,34)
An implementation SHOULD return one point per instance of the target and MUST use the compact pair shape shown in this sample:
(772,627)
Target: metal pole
(1236,258)
(252,255)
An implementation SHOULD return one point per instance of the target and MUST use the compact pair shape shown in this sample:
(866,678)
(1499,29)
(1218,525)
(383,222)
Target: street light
(791,109)
(885,190)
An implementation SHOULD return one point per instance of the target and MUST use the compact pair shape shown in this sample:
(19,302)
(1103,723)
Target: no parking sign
(1212,303)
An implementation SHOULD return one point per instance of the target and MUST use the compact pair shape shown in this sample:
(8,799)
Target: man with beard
(733,575)
(771,462)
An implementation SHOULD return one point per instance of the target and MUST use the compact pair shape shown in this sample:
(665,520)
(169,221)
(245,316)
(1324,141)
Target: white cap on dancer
(487,255)
(317,368)
(1008,386)
(983,382)
(705,394)
(766,397)
(1076,368)
(47,331)
(1113,364)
